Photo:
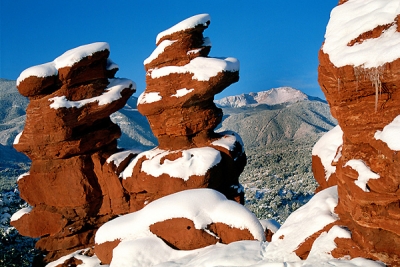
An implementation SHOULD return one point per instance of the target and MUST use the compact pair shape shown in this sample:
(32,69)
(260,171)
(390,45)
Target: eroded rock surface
(359,73)
(178,102)
(68,135)
(80,180)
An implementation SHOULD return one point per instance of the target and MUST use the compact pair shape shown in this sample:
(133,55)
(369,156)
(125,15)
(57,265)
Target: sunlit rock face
(79,179)
(359,73)
(68,135)
(181,82)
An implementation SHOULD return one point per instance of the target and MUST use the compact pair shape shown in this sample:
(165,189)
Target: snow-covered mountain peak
(273,96)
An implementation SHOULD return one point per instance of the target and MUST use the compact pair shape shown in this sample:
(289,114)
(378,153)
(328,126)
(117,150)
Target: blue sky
(276,42)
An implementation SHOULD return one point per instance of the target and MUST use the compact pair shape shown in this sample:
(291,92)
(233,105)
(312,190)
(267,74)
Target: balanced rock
(68,133)
(178,102)
(359,73)
(181,84)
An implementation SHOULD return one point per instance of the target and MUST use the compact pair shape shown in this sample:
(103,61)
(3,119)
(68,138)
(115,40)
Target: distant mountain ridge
(274,96)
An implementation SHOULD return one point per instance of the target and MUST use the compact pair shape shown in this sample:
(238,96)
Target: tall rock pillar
(359,73)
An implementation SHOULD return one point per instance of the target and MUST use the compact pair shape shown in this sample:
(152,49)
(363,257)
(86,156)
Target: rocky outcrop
(185,220)
(80,180)
(359,74)
(178,102)
(68,135)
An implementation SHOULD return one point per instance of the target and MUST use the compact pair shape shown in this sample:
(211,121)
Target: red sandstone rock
(178,102)
(68,135)
(181,84)
(80,178)
(364,100)
(180,233)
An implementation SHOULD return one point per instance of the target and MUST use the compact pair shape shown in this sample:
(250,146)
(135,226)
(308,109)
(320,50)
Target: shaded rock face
(364,100)
(68,135)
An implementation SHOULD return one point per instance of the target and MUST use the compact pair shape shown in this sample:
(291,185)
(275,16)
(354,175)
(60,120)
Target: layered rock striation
(359,74)
(68,135)
(178,102)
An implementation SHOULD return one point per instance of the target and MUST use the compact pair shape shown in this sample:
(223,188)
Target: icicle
(374,75)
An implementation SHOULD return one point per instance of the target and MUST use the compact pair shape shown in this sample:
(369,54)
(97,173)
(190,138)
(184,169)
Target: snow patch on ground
(141,248)
(305,221)
(80,255)
(390,134)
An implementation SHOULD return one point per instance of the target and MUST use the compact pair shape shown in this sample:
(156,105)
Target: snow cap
(189,23)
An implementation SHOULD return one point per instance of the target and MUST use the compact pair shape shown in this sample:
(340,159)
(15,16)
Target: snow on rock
(20,213)
(301,224)
(159,49)
(67,59)
(16,140)
(202,68)
(147,98)
(119,157)
(390,134)
(270,224)
(229,140)
(111,65)
(22,176)
(355,17)
(195,161)
(364,173)
(202,206)
(87,261)
(152,251)
(201,19)
(326,149)
(182,92)
(325,243)
(43,70)
(111,94)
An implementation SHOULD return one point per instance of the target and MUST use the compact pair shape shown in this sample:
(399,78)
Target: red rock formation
(79,179)
(68,135)
(178,102)
(186,220)
(361,83)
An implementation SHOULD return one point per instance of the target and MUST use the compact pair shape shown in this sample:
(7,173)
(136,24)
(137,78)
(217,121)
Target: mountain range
(274,96)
